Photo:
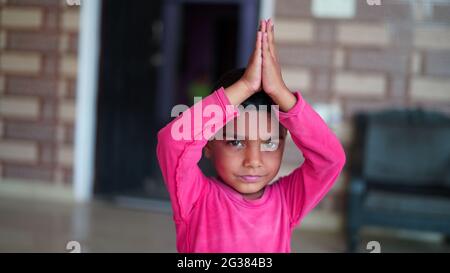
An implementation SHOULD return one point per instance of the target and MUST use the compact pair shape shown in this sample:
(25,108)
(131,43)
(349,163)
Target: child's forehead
(253,125)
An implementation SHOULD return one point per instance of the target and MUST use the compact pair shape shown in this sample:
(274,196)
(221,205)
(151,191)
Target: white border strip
(86,100)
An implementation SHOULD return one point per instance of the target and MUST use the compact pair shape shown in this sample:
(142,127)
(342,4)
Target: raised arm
(323,153)
(324,157)
(179,149)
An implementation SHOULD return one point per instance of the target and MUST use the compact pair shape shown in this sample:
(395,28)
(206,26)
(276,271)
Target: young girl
(240,210)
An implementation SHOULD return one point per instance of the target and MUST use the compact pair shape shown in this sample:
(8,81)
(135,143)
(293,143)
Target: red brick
(395,62)
(402,35)
(305,56)
(353,106)
(47,154)
(397,87)
(35,41)
(397,11)
(71,89)
(293,8)
(44,3)
(28,172)
(49,109)
(316,97)
(437,63)
(51,19)
(441,12)
(322,81)
(50,65)
(29,131)
(326,33)
(73,43)
(367,12)
(68,176)
(31,86)
(69,134)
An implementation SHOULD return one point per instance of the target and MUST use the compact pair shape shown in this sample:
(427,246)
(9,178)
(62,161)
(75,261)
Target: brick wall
(393,55)
(38,48)
(396,54)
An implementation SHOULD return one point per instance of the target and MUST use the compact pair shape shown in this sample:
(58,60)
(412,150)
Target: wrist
(282,92)
(246,87)
(285,99)
(238,92)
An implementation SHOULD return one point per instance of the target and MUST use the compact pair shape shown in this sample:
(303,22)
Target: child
(239,211)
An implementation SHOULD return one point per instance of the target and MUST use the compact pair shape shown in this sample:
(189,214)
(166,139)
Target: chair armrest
(358,185)
(357,189)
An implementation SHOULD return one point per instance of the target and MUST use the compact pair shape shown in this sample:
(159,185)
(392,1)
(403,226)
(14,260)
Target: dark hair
(257,99)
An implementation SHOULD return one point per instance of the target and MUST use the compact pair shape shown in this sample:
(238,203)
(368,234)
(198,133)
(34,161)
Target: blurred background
(86,85)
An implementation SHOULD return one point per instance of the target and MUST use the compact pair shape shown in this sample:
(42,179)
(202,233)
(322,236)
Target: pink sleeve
(178,154)
(324,157)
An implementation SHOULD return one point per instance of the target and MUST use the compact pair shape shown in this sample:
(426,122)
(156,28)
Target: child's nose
(253,156)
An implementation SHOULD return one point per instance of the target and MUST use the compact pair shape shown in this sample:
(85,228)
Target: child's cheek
(274,158)
(227,156)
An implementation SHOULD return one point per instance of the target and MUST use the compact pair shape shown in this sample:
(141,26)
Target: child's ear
(208,150)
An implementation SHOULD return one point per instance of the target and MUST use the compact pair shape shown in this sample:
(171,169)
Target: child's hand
(263,72)
(253,72)
(272,81)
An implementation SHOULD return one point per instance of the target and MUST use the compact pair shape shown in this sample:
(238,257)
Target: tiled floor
(36,226)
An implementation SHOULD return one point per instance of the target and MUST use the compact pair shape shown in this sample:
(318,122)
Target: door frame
(86,99)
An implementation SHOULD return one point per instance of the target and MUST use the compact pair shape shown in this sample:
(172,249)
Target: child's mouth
(250,178)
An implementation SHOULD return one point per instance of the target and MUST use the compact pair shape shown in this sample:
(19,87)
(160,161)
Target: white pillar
(267,8)
(86,99)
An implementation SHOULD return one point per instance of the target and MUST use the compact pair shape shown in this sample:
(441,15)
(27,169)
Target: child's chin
(249,188)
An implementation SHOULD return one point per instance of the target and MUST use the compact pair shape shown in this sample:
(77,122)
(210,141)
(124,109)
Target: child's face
(251,162)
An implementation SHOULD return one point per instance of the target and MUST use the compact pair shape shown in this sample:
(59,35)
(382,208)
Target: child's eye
(235,143)
(270,145)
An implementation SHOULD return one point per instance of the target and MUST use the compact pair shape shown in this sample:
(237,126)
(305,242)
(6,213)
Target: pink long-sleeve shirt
(210,216)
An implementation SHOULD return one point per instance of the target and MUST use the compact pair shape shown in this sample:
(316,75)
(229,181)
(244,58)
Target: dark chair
(400,173)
